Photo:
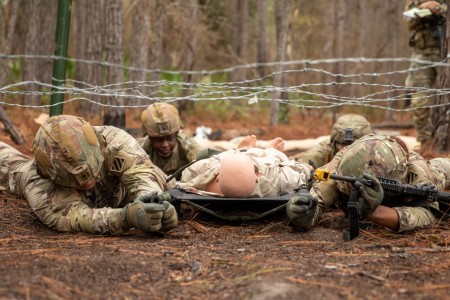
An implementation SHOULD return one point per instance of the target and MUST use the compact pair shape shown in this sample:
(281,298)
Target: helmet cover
(160,119)
(348,128)
(67,151)
(375,154)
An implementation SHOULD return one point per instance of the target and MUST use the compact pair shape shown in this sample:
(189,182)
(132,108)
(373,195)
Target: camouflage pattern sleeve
(63,209)
(415,217)
(126,159)
(189,145)
(317,156)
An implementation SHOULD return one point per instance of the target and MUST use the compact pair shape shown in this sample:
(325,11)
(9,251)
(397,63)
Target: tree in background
(89,19)
(282,13)
(140,12)
(440,115)
(261,51)
(113,46)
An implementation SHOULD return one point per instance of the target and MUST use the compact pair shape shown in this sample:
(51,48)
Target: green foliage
(283,116)
(170,86)
(126,62)
(15,67)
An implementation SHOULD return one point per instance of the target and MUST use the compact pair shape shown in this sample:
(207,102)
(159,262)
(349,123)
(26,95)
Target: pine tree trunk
(114,116)
(31,48)
(282,17)
(140,44)
(440,115)
(6,48)
(157,42)
(243,37)
(47,28)
(93,52)
(189,55)
(261,42)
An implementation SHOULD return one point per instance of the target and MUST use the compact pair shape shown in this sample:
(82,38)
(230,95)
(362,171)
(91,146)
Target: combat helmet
(67,151)
(376,154)
(160,119)
(347,129)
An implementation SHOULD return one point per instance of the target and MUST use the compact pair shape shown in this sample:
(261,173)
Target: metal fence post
(59,63)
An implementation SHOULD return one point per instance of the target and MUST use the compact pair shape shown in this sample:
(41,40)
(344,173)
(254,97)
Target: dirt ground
(207,259)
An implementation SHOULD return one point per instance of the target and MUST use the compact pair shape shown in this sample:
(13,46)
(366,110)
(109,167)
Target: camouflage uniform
(412,213)
(352,125)
(425,46)
(125,174)
(441,168)
(162,119)
(279,175)
(184,152)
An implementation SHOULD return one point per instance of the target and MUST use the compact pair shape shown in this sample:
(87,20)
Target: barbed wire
(372,93)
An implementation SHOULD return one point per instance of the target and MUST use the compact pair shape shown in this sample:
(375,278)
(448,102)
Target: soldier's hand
(170,217)
(370,196)
(144,216)
(301,210)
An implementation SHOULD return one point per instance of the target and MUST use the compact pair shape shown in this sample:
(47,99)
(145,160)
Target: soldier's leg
(420,77)
(10,159)
(421,116)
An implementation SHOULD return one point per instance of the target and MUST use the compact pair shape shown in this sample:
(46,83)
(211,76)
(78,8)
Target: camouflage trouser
(422,78)
(11,161)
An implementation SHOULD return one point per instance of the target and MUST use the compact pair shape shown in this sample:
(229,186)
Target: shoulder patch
(117,164)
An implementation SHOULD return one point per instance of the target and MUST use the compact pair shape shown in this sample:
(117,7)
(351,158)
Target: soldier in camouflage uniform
(246,172)
(90,179)
(425,45)
(346,130)
(167,146)
(371,155)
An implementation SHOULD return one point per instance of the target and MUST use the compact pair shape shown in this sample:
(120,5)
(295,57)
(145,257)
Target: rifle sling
(352,206)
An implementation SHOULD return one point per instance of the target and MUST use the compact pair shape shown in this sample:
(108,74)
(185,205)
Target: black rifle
(391,188)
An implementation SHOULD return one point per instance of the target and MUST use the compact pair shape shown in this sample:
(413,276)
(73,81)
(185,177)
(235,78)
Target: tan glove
(170,217)
(144,216)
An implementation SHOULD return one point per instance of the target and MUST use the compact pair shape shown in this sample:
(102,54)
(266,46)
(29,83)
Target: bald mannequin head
(237,178)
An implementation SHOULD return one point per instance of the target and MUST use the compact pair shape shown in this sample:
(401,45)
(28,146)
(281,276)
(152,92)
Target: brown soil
(207,259)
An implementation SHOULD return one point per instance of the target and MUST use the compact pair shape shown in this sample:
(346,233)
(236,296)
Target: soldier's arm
(414,217)
(317,156)
(127,160)
(385,216)
(63,210)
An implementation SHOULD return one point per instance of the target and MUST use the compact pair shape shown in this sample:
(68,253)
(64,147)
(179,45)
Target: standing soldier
(166,145)
(347,129)
(427,32)
(90,179)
